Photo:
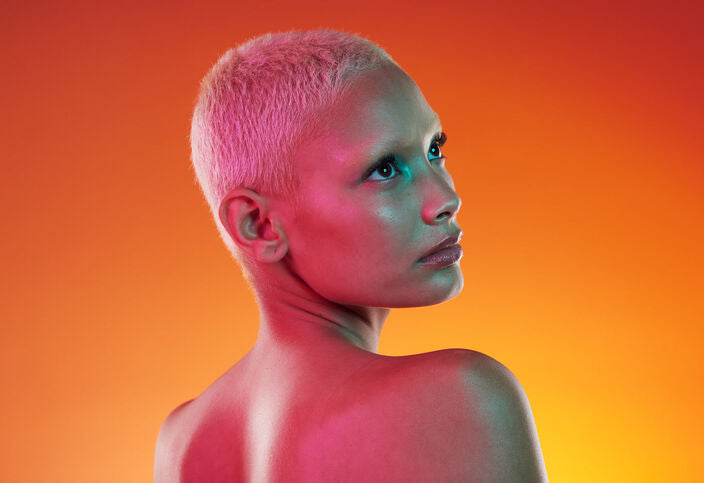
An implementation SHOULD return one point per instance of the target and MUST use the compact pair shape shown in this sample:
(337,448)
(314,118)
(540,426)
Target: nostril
(442,215)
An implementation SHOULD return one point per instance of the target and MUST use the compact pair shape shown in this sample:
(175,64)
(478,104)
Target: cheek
(394,229)
(323,231)
(380,238)
(351,237)
(352,233)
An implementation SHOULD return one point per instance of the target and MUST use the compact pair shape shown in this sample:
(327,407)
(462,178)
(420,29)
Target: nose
(441,203)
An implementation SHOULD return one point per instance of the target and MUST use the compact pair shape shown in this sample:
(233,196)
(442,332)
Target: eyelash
(438,140)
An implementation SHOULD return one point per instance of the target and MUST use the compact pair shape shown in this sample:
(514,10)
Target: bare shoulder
(449,415)
(170,445)
(499,423)
(479,372)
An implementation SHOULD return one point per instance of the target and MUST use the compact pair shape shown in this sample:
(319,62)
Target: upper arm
(504,433)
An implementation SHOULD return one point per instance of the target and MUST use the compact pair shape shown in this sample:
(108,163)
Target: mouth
(443,257)
(449,241)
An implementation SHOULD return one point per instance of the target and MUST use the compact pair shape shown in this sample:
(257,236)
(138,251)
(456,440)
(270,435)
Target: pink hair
(257,101)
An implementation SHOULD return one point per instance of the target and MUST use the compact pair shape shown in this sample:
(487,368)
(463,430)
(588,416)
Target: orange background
(575,142)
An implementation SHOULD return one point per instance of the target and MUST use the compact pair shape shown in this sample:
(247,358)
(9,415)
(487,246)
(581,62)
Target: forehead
(380,107)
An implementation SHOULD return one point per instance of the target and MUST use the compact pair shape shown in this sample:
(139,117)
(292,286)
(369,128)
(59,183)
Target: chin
(452,293)
(445,286)
(433,291)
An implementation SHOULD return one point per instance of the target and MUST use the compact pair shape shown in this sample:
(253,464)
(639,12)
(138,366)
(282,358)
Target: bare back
(387,419)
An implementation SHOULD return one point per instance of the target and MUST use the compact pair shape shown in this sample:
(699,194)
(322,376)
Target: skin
(312,400)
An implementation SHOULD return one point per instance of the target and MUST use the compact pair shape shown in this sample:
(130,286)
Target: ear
(246,216)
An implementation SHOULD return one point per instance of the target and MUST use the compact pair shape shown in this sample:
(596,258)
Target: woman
(322,163)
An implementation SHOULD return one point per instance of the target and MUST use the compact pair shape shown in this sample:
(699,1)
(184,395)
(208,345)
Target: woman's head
(259,101)
(372,196)
(375,196)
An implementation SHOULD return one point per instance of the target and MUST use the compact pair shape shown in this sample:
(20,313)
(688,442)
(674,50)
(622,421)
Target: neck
(295,316)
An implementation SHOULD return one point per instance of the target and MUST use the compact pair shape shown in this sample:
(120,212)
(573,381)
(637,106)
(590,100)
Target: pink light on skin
(313,398)
(372,228)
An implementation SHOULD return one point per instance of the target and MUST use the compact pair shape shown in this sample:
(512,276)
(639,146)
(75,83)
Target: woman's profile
(322,164)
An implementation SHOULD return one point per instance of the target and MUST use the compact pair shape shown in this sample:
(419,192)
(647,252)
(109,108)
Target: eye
(386,168)
(434,151)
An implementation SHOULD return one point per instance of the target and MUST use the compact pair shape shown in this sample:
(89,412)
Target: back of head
(259,100)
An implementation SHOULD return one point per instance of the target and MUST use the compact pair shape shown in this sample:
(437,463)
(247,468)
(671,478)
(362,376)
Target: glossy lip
(443,258)
(447,242)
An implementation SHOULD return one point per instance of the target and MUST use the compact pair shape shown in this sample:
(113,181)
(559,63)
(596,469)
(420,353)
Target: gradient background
(575,143)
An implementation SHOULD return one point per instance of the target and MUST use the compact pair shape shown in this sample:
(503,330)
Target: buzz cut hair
(259,101)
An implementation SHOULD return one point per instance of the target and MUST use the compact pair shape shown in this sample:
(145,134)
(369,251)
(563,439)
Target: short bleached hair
(257,102)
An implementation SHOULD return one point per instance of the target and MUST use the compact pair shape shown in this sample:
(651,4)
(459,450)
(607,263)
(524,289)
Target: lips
(445,243)
(442,258)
